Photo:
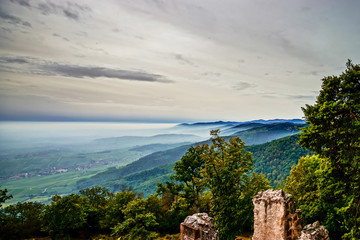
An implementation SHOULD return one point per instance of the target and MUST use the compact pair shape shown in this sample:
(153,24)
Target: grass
(42,188)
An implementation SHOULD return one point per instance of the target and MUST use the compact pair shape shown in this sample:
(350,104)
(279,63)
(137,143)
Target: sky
(170,60)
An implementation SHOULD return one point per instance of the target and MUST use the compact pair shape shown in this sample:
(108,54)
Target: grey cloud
(216,74)
(244,85)
(59,36)
(302,97)
(13,19)
(24,3)
(291,97)
(41,67)
(95,72)
(71,10)
(4,59)
(182,59)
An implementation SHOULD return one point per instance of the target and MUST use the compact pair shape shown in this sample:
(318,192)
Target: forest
(219,177)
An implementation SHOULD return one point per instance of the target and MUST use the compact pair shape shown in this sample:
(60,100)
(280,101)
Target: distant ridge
(270,121)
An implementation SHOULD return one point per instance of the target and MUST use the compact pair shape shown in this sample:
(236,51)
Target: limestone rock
(198,226)
(275,216)
(314,232)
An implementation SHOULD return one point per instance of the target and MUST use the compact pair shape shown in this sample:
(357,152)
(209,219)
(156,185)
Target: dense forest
(220,177)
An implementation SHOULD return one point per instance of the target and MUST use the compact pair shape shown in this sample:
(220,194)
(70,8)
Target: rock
(314,232)
(198,226)
(275,216)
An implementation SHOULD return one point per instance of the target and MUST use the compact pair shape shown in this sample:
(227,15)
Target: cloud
(302,97)
(59,36)
(43,67)
(71,10)
(13,19)
(5,59)
(244,85)
(183,60)
(95,72)
(24,3)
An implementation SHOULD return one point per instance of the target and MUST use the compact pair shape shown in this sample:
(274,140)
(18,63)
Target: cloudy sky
(170,60)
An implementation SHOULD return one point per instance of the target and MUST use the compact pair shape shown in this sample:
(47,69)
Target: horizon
(170,61)
(149,122)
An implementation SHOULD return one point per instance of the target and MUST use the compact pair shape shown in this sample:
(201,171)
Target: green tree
(96,202)
(97,196)
(303,185)
(115,207)
(187,171)
(21,220)
(64,215)
(226,173)
(4,196)
(333,132)
(139,223)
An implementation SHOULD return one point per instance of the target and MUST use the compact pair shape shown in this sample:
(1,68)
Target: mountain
(230,127)
(274,159)
(37,173)
(267,132)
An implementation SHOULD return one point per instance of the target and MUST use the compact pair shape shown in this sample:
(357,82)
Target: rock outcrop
(275,216)
(198,226)
(314,232)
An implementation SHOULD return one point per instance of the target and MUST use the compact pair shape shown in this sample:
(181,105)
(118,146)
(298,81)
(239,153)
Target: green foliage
(225,174)
(175,207)
(139,222)
(21,221)
(333,132)
(64,214)
(275,158)
(303,185)
(114,209)
(187,171)
(4,196)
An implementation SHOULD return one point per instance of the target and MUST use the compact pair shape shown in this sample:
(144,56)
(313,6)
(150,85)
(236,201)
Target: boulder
(314,232)
(198,226)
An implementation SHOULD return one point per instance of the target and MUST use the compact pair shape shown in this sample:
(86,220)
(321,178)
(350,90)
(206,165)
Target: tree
(226,170)
(333,132)
(96,201)
(4,196)
(64,215)
(139,222)
(188,171)
(97,196)
(303,185)
(114,210)
(21,221)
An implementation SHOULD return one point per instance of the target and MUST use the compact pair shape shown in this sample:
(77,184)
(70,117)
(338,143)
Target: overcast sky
(170,60)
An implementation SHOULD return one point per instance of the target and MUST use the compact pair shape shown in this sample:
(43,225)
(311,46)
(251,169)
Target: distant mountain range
(139,161)
(158,166)
(231,128)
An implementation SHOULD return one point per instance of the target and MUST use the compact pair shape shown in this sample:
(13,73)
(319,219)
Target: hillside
(112,162)
(274,159)
(263,133)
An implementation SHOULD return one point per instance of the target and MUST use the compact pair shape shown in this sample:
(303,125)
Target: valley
(35,174)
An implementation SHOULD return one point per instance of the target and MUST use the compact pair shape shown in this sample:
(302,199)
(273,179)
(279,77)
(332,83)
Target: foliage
(139,222)
(333,132)
(275,158)
(114,209)
(4,196)
(64,214)
(20,221)
(303,185)
(187,171)
(225,174)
